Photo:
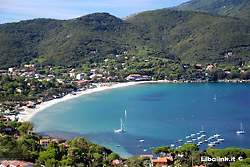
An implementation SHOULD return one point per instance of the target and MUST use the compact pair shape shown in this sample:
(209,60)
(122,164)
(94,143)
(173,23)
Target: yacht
(241,131)
(121,130)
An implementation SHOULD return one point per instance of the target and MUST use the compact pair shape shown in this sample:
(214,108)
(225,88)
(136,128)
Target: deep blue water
(158,113)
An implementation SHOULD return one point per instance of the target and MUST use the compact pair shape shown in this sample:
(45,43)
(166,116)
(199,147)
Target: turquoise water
(158,113)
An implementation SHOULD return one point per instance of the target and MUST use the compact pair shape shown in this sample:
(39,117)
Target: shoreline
(28,113)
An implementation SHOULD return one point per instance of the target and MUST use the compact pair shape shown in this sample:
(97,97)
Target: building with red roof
(16,164)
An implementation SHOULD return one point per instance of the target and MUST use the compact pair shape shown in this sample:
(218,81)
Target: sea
(153,115)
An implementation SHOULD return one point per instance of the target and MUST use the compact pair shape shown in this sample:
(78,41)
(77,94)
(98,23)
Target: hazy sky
(16,10)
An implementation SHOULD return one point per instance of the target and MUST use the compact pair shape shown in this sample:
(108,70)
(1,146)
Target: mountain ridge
(186,35)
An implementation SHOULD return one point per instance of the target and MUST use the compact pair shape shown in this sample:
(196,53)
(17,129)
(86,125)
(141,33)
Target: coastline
(28,113)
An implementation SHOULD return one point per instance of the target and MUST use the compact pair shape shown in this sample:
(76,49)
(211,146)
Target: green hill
(194,36)
(234,8)
(189,37)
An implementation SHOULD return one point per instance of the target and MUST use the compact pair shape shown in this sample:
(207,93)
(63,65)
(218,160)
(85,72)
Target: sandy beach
(29,113)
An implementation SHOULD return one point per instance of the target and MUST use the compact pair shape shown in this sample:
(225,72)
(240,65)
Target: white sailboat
(125,114)
(241,131)
(202,130)
(121,130)
(215,98)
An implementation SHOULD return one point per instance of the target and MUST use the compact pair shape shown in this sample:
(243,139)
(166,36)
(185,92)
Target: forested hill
(234,8)
(190,37)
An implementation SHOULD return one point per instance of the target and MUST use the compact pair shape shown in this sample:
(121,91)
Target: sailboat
(215,98)
(121,130)
(202,130)
(241,131)
(125,114)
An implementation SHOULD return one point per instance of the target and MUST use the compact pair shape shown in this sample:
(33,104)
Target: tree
(163,149)
(25,128)
(113,156)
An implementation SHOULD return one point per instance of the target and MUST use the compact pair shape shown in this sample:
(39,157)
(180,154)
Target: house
(7,128)
(198,66)
(72,74)
(81,82)
(31,104)
(137,77)
(162,161)
(45,142)
(18,90)
(64,144)
(117,162)
(29,65)
(94,71)
(11,69)
(230,53)
(209,67)
(106,84)
(80,76)
(16,164)
(33,87)
(148,156)
(133,77)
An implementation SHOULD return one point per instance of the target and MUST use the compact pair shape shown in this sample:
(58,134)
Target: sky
(17,10)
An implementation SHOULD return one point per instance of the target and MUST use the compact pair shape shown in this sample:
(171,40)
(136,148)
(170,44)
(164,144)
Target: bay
(157,113)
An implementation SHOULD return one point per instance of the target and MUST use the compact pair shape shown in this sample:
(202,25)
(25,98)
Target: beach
(28,113)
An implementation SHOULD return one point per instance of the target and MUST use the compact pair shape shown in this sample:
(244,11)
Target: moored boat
(241,131)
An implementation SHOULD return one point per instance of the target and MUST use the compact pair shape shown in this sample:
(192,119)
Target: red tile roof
(149,156)
(16,163)
(134,75)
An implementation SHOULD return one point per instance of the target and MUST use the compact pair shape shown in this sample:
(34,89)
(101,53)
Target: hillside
(194,36)
(51,41)
(234,8)
(189,37)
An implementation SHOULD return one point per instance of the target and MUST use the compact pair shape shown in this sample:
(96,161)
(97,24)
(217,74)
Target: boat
(215,98)
(176,141)
(121,130)
(217,142)
(192,135)
(125,114)
(141,140)
(220,140)
(211,144)
(172,145)
(139,146)
(216,135)
(117,145)
(241,131)
(187,137)
(180,140)
(202,131)
(189,141)
(145,150)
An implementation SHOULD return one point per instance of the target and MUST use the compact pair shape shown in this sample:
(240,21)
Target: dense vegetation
(15,91)
(190,155)
(189,37)
(234,8)
(20,144)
